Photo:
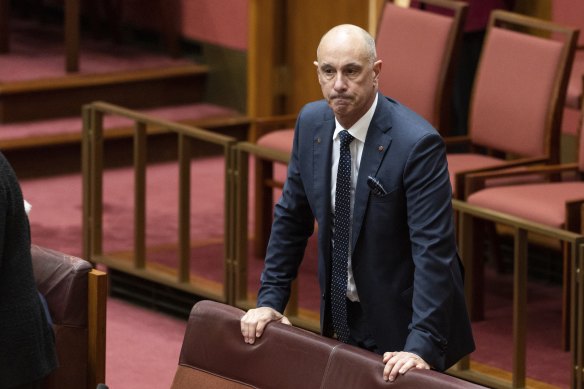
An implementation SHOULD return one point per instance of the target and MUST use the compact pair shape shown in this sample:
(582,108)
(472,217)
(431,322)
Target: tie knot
(346,138)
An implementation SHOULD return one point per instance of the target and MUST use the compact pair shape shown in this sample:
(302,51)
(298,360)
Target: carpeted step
(29,145)
(58,97)
(34,85)
(69,129)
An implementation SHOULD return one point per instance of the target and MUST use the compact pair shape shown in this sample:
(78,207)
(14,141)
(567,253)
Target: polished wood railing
(234,289)
(93,170)
(466,215)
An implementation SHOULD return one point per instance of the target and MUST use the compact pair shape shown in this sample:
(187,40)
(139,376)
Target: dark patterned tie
(341,240)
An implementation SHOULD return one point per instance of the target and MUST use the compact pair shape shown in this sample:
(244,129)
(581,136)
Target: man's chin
(340,106)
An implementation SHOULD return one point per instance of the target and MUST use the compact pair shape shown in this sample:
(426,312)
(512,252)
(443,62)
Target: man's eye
(351,72)
(328,73)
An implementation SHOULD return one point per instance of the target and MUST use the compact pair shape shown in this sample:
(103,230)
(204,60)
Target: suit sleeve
(293,225)
(437,275)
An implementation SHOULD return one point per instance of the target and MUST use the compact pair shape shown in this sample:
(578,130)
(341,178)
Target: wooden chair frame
(554,114)
(97,287)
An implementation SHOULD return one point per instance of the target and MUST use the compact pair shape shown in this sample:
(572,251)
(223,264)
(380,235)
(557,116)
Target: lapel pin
(317,140)
(380,148)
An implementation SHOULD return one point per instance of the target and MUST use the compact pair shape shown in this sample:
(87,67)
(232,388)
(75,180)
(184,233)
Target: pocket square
(375,186)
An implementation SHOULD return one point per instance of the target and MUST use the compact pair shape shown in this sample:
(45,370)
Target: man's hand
(399,362)
(255,321)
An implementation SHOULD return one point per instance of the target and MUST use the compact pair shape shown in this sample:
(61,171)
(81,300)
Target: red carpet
(142,347)
(56,223)
(96,56)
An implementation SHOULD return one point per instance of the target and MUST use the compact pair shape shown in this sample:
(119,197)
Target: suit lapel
(322,149)
(376,146)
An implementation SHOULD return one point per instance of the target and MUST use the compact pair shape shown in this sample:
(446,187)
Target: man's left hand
(400,362)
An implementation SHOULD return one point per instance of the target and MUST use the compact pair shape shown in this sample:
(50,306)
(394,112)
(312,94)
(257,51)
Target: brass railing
(521,227)
(93,170)
(235,290)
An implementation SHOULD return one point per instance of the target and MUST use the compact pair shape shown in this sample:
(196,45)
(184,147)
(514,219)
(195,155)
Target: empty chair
(571,13)
(517,97)
(554,202)
(419,50)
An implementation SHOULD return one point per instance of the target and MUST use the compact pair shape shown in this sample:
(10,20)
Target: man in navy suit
(405,296)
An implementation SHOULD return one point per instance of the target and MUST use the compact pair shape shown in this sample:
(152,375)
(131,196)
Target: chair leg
(4,26)
(264,171)
(478,270)
(494,246)
(566,300)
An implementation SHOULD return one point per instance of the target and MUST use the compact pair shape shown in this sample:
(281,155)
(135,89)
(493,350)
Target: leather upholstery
(214,355)
(62,279)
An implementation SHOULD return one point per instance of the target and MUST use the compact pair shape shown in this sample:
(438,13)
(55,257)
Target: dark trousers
(360,335)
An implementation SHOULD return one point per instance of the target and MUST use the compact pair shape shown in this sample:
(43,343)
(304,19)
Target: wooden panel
(283,37)
(307,21)
(264,57)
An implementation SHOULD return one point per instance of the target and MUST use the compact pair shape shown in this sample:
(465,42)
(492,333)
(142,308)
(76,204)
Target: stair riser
(54,103)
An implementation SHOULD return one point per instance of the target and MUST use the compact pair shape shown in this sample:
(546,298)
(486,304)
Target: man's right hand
(255,321)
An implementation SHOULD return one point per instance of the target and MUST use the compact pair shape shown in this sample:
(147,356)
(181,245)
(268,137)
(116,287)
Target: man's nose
(340,82)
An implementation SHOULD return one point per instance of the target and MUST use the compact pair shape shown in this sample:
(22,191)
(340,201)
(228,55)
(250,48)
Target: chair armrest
(97,287)
(456,140)
(461,177)
(477,180)
(263,125)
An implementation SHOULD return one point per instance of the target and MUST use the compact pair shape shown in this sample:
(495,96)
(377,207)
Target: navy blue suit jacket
(405,262)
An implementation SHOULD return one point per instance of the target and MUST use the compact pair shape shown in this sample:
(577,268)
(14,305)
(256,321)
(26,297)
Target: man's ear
(377,68)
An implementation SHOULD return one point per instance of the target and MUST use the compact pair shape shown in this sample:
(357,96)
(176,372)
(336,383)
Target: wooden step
(41,99)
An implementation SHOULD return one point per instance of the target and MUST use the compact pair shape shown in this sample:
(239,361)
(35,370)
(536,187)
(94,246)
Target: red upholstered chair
(517,98)
(555,202)
(418,48)
(571,13)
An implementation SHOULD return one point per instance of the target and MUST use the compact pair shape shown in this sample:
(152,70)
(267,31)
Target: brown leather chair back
(214,355)
(64,282)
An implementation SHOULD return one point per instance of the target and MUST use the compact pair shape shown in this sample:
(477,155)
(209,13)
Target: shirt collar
(359,129)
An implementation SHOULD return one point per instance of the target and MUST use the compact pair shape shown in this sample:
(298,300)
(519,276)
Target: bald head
(349,35)
(348,72)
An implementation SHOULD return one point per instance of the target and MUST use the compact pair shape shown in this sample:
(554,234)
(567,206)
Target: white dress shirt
(359,132)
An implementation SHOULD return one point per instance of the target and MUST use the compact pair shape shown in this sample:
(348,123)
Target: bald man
(404,291)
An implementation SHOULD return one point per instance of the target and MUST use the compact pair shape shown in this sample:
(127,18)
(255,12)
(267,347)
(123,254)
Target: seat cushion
(464,162)
(280,140)
(543,203)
